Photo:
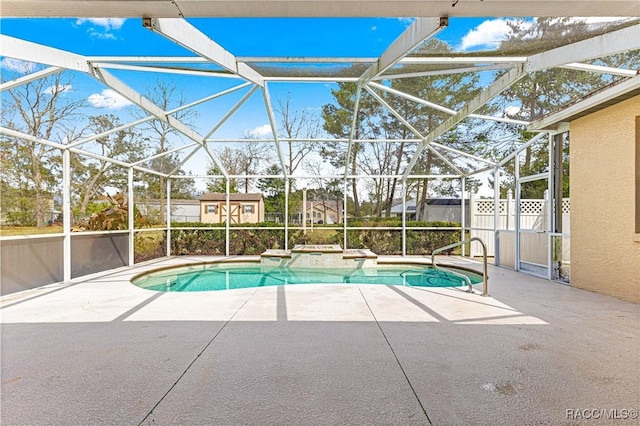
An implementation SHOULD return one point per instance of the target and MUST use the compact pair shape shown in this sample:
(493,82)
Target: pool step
(319,256)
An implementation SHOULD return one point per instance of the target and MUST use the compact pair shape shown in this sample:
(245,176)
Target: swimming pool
(229,276)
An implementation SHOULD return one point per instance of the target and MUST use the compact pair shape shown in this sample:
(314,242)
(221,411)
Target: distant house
(243,208)
(321,212)
(435,210)
(182,210)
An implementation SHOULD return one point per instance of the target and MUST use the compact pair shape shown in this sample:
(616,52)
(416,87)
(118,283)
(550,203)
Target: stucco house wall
(605,249)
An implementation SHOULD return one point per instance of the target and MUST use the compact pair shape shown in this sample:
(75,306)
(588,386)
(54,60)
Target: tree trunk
(532,112)
(423,199)
(89,190)
(162,198)
(394,182)
(356,202)
(39,192)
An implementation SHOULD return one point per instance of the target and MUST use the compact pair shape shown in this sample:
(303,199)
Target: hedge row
(256,241)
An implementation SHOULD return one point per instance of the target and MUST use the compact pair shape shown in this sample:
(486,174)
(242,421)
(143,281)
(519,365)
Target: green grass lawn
(7,231)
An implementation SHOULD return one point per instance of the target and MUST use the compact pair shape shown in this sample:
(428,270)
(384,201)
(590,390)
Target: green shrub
(317,236)
(424,242)
(149,245)
(21,218)
(388,242)
(198,242)
(256,241)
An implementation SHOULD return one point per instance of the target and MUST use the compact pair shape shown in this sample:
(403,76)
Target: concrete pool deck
(102,351)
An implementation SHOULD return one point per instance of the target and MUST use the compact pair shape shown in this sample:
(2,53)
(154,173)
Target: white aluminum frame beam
(29,78)
(347,157)
(66,215)
(153,109)
(232,111)
(151,117)
(246,59)
(446,160)
(443,72)
(31,138)
(293,79)
(274,128)
(442,108)
(186,35)
(340,176)
(165,70)
(607,44)
(182,163)
(493,90)
(130,218)
(547,123)
(162,154)
(412,129)
(307,59)
(394,112)
(108,132)
(462,153)
(530,142)
(604,45)
(422,29)
(137,98)
(339,140)
(601,69)
(532,178)
(154,59)
(38,53)
(446,60)
(411,98)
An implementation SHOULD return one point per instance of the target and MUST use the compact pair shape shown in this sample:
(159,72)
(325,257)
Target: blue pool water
(227,276)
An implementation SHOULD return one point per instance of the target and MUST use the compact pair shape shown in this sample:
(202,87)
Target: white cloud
(487,35)
(374,28)
(59,89)
(101,27)
(259,132)
(109,99)
(106,23)
(512,110)
(16,65)
(104,36)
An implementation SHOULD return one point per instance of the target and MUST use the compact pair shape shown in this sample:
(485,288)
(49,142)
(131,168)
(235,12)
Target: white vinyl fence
(533,217)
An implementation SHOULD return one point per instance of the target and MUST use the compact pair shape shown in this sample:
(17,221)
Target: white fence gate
(533,216)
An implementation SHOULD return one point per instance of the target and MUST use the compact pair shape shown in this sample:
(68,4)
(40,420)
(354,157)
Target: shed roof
(218,196)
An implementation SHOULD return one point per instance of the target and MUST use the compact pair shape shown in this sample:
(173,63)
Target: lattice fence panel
(531,206)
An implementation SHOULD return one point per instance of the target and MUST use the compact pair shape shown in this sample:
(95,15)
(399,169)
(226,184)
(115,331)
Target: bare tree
(167,96)
(244,160)
(297,125)
(91,176)
(253,155)
(327,191)
(42,109)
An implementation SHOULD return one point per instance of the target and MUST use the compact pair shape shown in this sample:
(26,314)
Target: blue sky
(347,37)
(242,37)
(362,37)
